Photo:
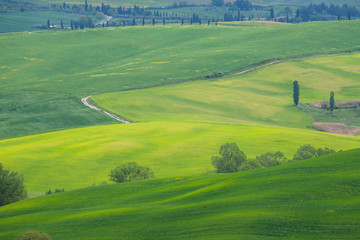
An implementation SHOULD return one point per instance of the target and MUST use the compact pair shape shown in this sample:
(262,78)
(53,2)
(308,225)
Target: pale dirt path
(86,102)
(255,68)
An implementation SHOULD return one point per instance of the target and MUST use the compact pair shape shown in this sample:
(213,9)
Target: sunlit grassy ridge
(79,63)
(312,199)
(78,158)
(263,96)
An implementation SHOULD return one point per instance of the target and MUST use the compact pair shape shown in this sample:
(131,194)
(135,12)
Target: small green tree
(83,20)
(130,172)
(250,165)
(332,102)
(272,14)
(12,187)
(230,159)
(48,23)
(271,159)
(325,151)
(33,235)
(305,152)
(296,92)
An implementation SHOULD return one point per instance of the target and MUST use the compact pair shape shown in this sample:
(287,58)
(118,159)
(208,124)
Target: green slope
(312,199)
(181,126)
(78,158)
(263,96)
(49,65)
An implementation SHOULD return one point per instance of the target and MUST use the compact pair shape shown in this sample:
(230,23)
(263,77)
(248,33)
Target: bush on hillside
(33,235)
(12,187)
(230,160)
(307,151)
(55,191)
(130,172)
(251,164)
(271,159)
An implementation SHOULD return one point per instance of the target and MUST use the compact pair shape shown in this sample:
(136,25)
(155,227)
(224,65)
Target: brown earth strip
(338,128)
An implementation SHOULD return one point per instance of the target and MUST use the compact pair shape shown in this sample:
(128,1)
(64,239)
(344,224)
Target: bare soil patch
(338,128)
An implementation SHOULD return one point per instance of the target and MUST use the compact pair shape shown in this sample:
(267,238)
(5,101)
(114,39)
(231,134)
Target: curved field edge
(315,198)
(78,158)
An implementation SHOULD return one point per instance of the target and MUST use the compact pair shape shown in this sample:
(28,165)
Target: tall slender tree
(332,102)
(48,23)
(61,24)
(296,92)
(272,14)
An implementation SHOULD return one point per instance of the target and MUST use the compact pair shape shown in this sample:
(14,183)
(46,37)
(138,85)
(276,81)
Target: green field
(26,21)
(263,96)
(40,63)
(312,199)
(87,155)
(179,127)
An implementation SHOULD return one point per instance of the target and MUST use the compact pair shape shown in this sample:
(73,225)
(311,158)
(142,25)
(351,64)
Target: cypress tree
(61,24)
(272,14)
(134,23)
(71,25)
(153,22)
(332,102)
(296,92)
(48,23)
(143,21)
(163,21)
(123,23)
(182,21)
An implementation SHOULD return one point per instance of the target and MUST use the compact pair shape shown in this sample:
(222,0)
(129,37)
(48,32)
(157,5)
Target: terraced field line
(255,68)
(86,102)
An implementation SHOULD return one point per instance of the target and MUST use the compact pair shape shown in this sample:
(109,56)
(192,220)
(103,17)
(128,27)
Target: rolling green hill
(263,96)
(179,127)
(78,158)
(60,65)
(312,199)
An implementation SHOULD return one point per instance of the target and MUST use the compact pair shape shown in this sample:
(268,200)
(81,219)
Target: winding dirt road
(86,102)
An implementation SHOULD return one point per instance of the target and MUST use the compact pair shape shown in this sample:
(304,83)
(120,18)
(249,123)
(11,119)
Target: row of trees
(231,159)
(296,96)
(314,12)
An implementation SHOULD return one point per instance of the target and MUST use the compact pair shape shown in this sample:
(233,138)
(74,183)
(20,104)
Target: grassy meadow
(312,199)
(179,127)
(115,59)
(263,96)
(78,158)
